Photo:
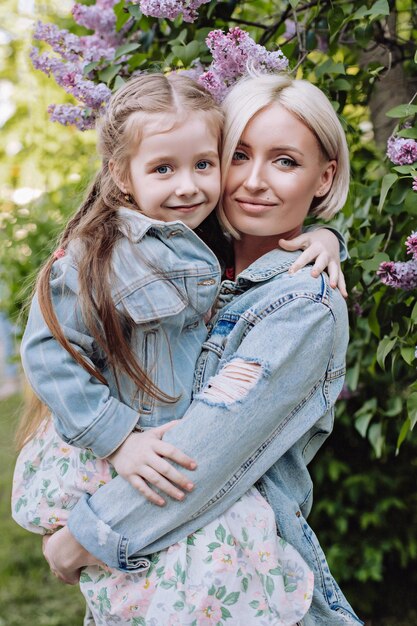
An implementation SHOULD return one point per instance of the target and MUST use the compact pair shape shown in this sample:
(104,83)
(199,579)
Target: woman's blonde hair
(309,104)
(96,224)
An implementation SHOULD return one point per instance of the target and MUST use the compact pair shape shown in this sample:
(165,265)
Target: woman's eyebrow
(274,148)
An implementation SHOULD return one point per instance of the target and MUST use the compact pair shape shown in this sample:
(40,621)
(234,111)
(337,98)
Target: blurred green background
(365,504)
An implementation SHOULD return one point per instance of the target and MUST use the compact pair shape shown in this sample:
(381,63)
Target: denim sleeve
(234,443)
(85,414)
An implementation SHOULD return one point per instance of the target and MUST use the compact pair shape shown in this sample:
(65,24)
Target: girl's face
(175,173)
(276,171)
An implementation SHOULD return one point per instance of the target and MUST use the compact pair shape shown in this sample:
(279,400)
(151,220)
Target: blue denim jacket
(164,279)
(292,333)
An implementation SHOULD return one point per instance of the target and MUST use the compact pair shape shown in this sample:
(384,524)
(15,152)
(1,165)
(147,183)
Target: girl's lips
(185,208)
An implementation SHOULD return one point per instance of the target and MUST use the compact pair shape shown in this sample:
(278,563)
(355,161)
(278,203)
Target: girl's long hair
(96,227)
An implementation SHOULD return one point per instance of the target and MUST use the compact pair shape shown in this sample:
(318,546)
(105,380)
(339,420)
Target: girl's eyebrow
(274,149)
(172,157)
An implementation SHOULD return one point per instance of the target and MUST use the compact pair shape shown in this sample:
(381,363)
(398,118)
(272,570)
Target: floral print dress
(235,571)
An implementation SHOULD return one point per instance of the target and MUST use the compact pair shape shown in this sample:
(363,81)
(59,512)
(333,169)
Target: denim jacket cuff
(104,543)
(109,429)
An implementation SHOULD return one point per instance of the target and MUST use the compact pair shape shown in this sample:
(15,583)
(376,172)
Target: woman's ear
(115,174)
(326,178)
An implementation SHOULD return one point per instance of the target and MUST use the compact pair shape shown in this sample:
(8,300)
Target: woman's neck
(249,248)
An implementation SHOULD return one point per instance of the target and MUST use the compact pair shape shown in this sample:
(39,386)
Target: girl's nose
(186,185)
(254,180)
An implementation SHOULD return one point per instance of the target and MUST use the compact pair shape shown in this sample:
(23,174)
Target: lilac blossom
(401,275)
(71,56)
(233,53)
(72,115)
(171,9)
(402,151)
(411,245)
(415,183)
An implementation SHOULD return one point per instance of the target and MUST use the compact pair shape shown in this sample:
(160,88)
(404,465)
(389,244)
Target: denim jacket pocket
(156,299)
(149,364)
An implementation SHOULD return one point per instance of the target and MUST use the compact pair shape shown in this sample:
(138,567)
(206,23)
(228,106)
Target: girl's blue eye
(162,169)
(202,165)
(239,156)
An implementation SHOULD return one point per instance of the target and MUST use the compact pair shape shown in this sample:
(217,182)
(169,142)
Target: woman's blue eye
(239,156)
(162,169)
(286,162)
(202,165)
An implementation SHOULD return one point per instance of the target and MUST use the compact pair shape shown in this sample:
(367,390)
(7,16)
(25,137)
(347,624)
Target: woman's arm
(233,441)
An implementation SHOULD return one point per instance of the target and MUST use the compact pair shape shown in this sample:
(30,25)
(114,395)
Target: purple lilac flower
(171,9)
(402,151)
(72,115)
(233,53)
(411,245)
(401,275)
(415,183)
(72,54)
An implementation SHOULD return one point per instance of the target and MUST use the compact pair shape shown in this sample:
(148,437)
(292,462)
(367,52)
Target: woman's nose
(255,180)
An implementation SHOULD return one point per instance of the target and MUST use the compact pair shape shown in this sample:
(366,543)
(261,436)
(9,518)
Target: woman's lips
(254,205)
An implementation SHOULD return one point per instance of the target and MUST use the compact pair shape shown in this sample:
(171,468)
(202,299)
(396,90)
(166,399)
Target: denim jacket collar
(271,264)
(134,225)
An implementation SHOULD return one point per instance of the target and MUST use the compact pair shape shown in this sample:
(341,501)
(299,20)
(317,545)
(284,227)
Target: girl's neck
(249,248)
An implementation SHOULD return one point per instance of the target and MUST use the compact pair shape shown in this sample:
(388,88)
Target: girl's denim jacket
(165,279)
(289,334)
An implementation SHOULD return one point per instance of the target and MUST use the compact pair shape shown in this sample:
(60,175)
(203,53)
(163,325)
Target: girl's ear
(326,178)
(115,174)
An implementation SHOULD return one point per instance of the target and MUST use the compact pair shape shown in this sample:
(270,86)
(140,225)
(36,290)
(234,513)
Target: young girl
(112,340)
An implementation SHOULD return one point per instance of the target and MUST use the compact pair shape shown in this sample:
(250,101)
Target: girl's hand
(141,460)
(322,246)
(66,556)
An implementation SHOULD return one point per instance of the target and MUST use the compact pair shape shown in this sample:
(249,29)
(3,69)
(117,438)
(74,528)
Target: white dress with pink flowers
(235,571)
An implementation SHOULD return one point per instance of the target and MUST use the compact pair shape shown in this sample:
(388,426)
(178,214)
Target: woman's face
(277,170)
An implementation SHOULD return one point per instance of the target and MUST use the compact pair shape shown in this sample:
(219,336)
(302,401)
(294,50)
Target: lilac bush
(71,56)
(232,54)
(171,9)
(401,274)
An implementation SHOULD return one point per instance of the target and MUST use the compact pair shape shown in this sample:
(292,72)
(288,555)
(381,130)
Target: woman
(273,365)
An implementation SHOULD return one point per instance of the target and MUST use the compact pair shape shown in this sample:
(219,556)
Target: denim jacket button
(174,233)
(207,282)
(298,513)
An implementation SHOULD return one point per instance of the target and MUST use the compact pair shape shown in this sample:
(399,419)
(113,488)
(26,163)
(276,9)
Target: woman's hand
(141,459)
(66,556)
(322,247)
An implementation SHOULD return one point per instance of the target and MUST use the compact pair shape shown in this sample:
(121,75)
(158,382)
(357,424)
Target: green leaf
(402,110)
(405,429)
(187,53)
(269,585)
(408,354)
(125,49)
(380,7)
(122,15)
(225,612)
(232,598)
(330,67)
(376,439)
(220,533)
(245,584)
(387,183)
(90,67)
(221,592)
(384,348)
(409,133)
(294,3)
(107,75)
(412,409)
(404,169)
(362,423)
(371,265)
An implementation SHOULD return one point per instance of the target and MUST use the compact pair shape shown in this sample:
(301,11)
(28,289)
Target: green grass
(29,594)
